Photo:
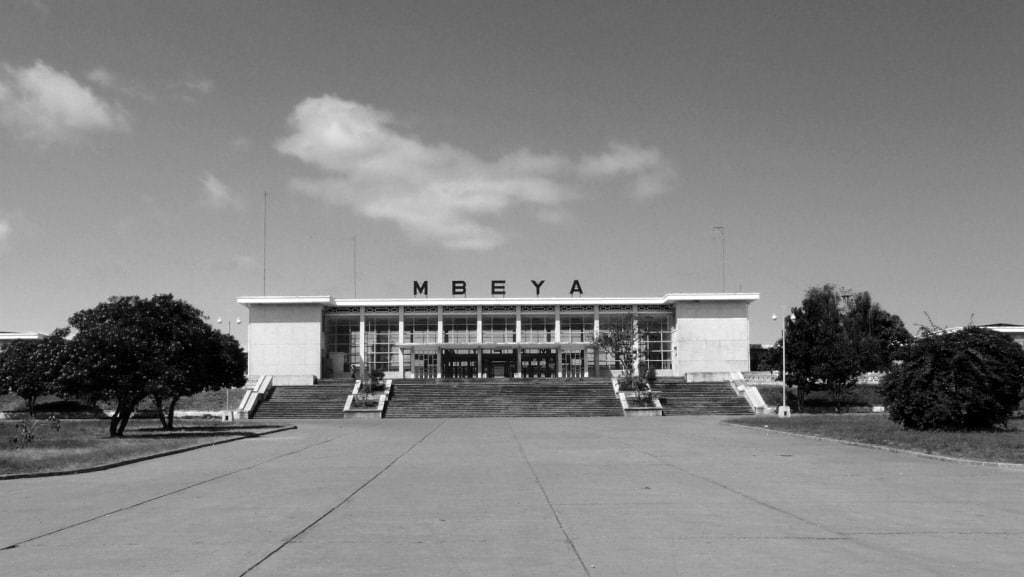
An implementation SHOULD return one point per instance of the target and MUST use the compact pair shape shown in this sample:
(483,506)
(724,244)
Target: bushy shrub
(967,379)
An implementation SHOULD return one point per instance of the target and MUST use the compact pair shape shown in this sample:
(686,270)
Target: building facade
(302,339)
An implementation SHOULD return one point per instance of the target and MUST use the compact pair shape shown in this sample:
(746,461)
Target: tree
(875,334)
(209,361)
(128,348)
(622,339)
(836,337)
(954,380)
(31,369)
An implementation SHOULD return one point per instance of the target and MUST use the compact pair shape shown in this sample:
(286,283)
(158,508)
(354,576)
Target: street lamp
(227,391)
(784,408)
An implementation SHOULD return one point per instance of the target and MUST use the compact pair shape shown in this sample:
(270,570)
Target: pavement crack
(161,496)
(341,503)
(547,499)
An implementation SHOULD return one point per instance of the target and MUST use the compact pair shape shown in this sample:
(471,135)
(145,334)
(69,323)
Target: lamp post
(227,391)
(784,408)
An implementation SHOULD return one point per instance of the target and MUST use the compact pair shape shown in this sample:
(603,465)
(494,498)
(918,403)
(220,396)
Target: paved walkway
(531,497)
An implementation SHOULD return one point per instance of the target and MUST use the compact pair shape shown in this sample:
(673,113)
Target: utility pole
(721,229)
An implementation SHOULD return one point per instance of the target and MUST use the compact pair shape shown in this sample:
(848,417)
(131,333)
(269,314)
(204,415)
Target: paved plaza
(531,497)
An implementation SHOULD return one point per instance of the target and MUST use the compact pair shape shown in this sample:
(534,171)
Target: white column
(479,325)
(362,343)
(401,341)
(558,324)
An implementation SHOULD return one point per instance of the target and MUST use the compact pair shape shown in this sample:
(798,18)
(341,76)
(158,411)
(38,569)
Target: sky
(640,148)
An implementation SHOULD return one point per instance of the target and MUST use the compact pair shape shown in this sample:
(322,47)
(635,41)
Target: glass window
(459,329)
(382,343)
(577,328)
(499,329)
(421,329)
(341,336)
(656,343)
(538,329)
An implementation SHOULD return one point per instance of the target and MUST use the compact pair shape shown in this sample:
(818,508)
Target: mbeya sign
(497,288)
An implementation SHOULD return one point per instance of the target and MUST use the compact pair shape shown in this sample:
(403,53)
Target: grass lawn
(1006,446)
(85,443)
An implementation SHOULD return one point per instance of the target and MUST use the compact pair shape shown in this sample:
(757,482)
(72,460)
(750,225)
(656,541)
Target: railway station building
(302,339)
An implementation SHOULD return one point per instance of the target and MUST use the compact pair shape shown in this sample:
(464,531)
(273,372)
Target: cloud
(437,192)
(650,174)
(46,106)
(216,194)
(191,86)
(5,233)
(107,79)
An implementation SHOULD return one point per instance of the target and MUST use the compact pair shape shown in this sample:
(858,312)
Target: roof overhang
(670,298)
(301,300)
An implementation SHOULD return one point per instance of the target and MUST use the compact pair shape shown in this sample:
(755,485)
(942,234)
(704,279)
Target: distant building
(1016,332)
(7,338)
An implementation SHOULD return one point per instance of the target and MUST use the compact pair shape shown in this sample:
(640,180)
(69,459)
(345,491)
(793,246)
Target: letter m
(419,289)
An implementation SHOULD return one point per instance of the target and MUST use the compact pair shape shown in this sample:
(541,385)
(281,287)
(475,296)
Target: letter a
(576,288)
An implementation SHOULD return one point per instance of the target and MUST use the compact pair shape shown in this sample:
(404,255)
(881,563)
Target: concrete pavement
(588,496)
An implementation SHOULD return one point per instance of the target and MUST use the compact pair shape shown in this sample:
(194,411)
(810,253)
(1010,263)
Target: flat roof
(669,298)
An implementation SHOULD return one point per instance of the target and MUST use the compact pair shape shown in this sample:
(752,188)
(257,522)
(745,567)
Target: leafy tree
(128,348)
(836,337)
(622,339)
(875,334)
(31,369)
(966,379)
(209,361)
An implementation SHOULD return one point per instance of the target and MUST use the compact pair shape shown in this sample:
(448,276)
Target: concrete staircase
(324,400)
(681,398)
(503,398)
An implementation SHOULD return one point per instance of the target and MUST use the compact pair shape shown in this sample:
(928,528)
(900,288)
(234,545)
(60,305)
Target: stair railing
(253,396)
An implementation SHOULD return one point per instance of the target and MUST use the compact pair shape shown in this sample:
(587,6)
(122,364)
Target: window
(656,347)
(382,343)
(499,329)
(341,336)
(577,328)
(538,329)
(459,329)
(421,329)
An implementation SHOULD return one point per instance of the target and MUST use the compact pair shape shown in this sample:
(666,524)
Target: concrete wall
(711,337)
(285,340)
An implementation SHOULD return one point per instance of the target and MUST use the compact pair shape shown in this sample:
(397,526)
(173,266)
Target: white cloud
(47,106)
(107,79)
(217,194)
(191,86)
(5,233)
(435,192)
(650,174)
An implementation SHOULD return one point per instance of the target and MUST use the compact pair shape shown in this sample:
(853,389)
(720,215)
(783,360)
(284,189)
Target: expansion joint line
(305,529)
(551,507)
(158,497)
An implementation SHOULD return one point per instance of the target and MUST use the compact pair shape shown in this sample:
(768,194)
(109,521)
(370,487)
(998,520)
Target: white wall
(284,339)
(711,337)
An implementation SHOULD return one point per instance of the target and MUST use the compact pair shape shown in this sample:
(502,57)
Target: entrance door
(539,363)
(499,362)
(424,366)
(459,364)
(572,364)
